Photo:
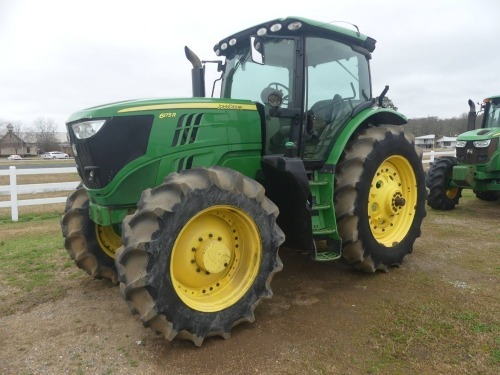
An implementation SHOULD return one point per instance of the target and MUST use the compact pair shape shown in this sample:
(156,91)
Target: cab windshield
(492,119)
(320,80)
(246,79)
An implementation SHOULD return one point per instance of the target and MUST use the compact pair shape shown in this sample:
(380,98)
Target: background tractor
(477,164)
(180,198)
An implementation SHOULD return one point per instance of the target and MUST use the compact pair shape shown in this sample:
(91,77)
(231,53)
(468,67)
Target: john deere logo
(470,151)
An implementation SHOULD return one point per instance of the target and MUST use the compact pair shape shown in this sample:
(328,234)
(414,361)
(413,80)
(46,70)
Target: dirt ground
(438,313)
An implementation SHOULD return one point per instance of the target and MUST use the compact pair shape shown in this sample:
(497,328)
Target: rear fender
(364,119)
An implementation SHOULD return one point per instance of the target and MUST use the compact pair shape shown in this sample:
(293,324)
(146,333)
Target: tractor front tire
(441,195)
(379,198)
(90,245)
(199,254)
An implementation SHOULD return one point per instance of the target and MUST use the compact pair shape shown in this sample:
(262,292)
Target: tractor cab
(307,81)
(491,108)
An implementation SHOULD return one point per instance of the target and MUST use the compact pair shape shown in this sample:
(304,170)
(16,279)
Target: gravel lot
(438,313)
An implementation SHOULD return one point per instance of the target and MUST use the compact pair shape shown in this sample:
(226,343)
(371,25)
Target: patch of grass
(430,330)
(33,264)
(6,219)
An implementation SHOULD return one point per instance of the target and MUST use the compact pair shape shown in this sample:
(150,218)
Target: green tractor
(185,202)
(476,165)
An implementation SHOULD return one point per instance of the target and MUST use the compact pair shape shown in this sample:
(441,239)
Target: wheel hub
(399,202)
(108,238)
(392,200)
(213,257)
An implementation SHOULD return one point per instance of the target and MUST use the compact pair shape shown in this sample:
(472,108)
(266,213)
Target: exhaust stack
(471,119)
(197,73)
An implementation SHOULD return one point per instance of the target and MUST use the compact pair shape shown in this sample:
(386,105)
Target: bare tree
(44,130)
(3,127)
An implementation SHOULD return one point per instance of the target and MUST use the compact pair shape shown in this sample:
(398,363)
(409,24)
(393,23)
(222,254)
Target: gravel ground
(324,318)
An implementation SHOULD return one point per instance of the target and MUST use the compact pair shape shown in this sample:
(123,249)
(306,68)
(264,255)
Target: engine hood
(150,105)
(479,134)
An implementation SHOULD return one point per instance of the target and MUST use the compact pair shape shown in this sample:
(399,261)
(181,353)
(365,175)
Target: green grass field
(33,263)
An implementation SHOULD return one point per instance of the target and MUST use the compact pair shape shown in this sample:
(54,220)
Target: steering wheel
(286,93)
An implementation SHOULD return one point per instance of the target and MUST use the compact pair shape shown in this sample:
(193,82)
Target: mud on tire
(379,198)
(199,254)
(84,239)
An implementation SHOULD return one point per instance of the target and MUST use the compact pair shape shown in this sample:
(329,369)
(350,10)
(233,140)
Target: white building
(425,141)
(446,142)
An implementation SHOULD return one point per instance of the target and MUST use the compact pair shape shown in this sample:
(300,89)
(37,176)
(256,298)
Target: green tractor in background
(476,165)
(185,202)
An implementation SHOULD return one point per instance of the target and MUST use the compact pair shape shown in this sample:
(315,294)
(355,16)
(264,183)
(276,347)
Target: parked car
(14,157)
(55,155)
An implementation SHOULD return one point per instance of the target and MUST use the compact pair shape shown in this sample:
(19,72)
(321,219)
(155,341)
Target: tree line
(448,127)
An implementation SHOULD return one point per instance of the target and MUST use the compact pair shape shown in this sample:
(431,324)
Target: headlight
(275,27)
(294,26)
(481,144)
(87,129)
(461,143)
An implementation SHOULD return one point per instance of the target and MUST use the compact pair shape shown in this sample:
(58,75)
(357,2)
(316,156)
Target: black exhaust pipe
(471,119)
(197,73)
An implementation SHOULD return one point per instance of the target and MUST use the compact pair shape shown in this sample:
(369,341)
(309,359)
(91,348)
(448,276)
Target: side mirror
(257,48)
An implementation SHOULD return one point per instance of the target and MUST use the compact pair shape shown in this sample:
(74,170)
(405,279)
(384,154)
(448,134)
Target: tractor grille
(120,141)
(474,155)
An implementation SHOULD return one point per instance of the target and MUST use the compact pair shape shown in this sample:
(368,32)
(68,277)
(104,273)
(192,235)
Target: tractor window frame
(492,114)
(329,61)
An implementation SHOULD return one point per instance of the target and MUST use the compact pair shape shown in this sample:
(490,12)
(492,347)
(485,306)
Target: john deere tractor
(185,202)
(476,165)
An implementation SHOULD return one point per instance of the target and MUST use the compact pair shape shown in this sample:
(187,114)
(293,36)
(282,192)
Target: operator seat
(329,113)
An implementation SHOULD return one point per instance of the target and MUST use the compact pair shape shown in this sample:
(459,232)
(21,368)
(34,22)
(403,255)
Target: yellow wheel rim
(392,200)
(452,193)
(215,258)
(108,239)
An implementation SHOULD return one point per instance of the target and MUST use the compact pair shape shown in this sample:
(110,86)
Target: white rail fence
(432,154)
(13,189)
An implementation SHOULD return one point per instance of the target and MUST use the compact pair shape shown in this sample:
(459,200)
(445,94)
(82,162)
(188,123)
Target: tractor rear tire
(90,245)
(379,198)
(441,196)
(199,253)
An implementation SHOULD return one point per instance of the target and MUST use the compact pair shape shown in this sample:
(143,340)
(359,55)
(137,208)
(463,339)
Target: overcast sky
(59,56)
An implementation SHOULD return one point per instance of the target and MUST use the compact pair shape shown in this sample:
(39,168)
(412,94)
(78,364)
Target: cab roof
(306,26)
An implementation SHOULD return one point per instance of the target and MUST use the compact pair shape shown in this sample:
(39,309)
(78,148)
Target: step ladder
(321,213)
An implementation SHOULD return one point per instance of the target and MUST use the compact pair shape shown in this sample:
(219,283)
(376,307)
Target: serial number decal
(230,106)
(167,115)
